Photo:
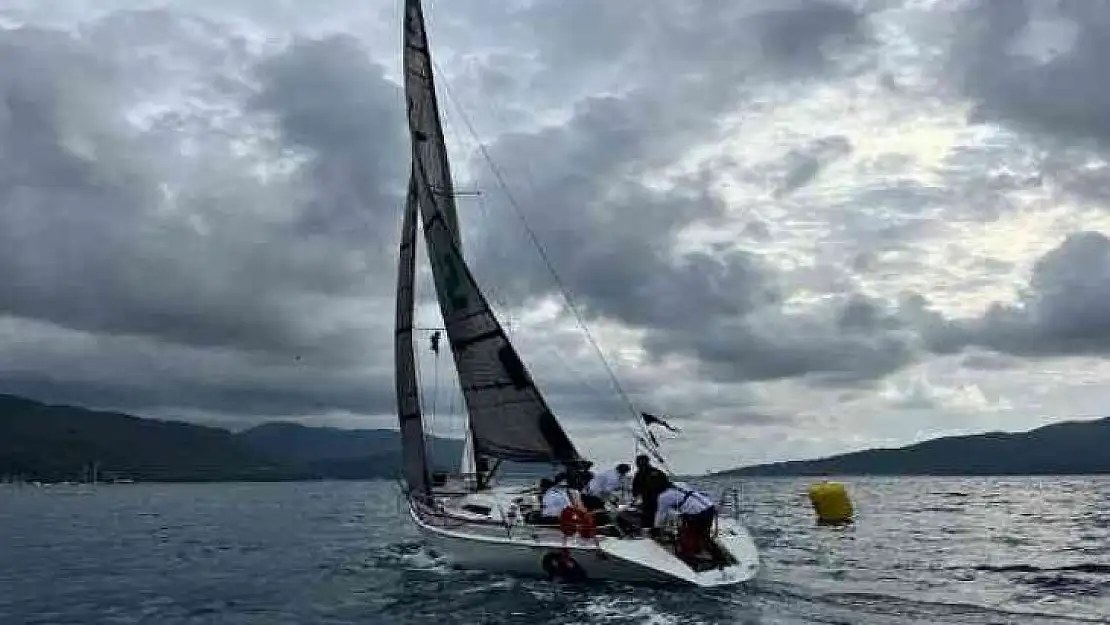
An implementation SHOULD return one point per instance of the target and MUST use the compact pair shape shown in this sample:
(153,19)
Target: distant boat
(91,473)
(472,519)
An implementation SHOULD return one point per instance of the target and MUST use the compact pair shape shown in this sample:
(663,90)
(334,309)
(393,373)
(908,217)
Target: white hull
(521,550)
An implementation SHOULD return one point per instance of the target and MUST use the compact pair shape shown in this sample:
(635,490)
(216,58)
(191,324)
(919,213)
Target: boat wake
(889,609)
(761,601)
(410,556)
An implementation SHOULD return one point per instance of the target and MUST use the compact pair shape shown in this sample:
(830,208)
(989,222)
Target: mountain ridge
(1065,448)
(59,442)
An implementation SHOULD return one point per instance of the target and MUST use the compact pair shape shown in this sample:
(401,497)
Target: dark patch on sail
(556,437)
(511,361)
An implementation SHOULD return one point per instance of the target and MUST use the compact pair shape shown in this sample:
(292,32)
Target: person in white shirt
(604,486)
(696,510)
(555,498)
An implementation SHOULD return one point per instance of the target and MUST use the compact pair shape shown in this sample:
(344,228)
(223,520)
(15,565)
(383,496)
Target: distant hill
(59,443)
(1071,448)
(341,453)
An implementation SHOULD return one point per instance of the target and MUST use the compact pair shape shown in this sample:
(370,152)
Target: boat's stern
(739,560)
(736,541)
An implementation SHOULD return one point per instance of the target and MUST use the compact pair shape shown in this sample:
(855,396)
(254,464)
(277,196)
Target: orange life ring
(588,528)
(576,521)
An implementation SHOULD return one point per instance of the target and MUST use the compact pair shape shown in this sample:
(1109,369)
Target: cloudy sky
(802,227)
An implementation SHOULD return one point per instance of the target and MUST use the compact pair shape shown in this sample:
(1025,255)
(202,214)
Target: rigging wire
(435,390)
(539,246)
(419,385)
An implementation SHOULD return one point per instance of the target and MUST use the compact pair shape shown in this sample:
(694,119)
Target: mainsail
(413,455)
(509,418)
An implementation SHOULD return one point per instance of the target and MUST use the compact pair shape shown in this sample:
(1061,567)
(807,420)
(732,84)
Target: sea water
(923,550)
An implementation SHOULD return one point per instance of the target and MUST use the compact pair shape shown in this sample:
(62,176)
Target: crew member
(648,483)
(578,474)
(555,499)
(605,485)
(697,512)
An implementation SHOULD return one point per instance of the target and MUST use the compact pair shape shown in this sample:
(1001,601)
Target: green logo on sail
(452,282)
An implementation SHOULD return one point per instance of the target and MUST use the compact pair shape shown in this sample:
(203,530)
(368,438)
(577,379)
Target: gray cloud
(331,100)
(694,60)
(757,230)
(1039,64)
(849,343)
(594,196)
(195,226)
(988,361)
(804,165)
(1061,312)
(141,374)
(97,238)
(696,41)
(746,417)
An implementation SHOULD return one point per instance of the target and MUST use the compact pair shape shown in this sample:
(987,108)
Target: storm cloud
(1039,64)
(185,232)
(1060,312)
(610,213)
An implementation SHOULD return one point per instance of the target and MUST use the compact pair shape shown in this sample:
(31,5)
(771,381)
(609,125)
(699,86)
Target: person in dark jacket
(648,483)
(578,474)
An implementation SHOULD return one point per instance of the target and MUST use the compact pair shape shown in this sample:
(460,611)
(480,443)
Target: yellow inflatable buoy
(831,503)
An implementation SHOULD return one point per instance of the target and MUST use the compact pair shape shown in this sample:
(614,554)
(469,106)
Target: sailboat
(473,520)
